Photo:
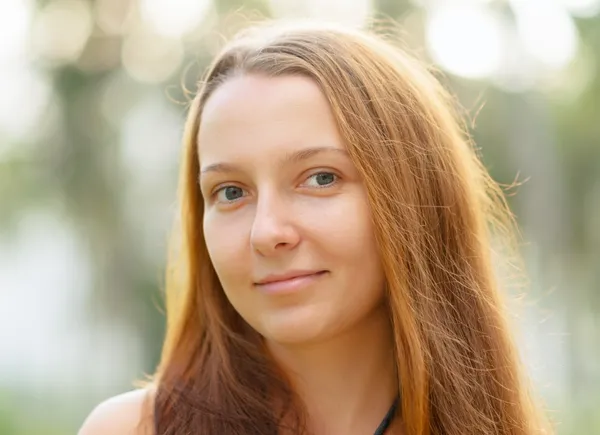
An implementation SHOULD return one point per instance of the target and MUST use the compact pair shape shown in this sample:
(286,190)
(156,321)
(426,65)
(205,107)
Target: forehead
(255,113)
(248,95)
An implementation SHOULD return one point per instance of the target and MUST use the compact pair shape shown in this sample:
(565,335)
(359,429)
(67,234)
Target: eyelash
(223,187)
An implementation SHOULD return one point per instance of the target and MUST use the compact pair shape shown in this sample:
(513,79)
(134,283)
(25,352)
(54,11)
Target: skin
(291,213)
(282,195)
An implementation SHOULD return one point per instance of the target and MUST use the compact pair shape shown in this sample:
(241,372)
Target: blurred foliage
(74,166)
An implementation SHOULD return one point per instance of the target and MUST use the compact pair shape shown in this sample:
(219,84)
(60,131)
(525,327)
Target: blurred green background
(92,104)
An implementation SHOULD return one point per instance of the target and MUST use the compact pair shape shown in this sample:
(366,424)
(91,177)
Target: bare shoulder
(126,414)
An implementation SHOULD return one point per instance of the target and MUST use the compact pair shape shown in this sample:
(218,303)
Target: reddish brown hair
(435,209)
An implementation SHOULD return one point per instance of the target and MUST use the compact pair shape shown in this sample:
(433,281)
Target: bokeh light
(114,17)
(466,41)
(26,94)
(582,8)
(61,30)
(337,11)
(150,57)
(547,31)
(173,18)
(15,17)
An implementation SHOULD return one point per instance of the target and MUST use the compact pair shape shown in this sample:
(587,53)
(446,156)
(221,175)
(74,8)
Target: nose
(273,231)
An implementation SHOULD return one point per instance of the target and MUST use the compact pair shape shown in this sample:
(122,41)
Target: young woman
(331,273)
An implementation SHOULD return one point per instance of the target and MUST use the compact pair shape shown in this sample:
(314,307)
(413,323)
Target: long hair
(435,210)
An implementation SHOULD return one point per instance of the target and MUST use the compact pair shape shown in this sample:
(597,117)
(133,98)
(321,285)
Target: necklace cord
(387,420)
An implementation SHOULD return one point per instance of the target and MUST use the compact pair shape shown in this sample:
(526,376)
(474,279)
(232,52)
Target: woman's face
(286,218)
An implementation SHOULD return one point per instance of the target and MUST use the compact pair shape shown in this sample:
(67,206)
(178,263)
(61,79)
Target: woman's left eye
(322,179)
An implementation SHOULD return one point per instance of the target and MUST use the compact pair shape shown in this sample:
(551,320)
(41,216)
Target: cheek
(343,226)
(342,232)
(227,247)
(350,240)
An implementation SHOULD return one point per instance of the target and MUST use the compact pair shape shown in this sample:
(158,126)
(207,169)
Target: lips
(289,282)
(287,276)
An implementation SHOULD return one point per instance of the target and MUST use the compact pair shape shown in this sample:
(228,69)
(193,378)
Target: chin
(293,328)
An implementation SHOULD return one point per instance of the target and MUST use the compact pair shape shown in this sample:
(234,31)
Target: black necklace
(387,420)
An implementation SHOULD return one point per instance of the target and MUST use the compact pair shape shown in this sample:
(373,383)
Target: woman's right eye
(228,194)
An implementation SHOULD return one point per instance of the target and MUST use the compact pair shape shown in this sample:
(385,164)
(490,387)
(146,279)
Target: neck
(347,382)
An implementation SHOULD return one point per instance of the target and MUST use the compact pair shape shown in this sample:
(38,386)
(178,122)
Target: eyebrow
(293,157)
